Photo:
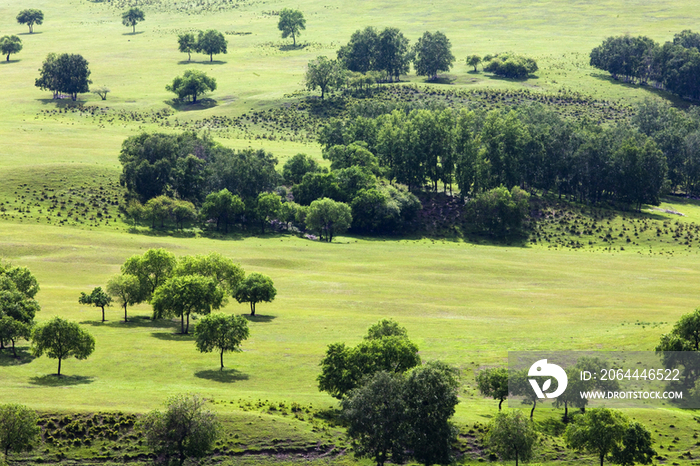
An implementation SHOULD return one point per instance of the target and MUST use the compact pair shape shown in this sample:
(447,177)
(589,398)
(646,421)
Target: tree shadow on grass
(440,80)
(224,376)
(259,318)
(202,62)
(288,47)
(54,380)
(29,33)
(5,62)
(495,77)
(23,356)
(135,321)
(62,103)
(201,104)
(133,33)
(169,336)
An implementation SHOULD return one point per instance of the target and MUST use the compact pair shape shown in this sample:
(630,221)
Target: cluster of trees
(192,84)
(210,43)
(373,56)
(673,66)
(395,407)
(531,147)
(509,65)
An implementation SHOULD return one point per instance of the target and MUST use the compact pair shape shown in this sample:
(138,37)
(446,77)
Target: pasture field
(463,302)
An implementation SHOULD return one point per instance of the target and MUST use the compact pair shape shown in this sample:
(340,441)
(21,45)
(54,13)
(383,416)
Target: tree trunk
(499,404)
(516,457)
(294,38)
(182,324)
(211,57)
(103,313)
(14,350)
(125,318)
(222,359)
(602,458)
(8,57)
(59,366)
(189,56)
(532,411)
(187,327)
(252,308)
(566,412)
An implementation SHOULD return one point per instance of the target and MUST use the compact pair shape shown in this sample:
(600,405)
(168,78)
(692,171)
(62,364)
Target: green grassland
(575,283)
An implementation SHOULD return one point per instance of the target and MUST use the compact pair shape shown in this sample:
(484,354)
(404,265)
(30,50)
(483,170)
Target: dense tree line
(673,66)
(531,147)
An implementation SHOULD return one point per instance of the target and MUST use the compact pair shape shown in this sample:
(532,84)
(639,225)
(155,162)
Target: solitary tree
(512,436)
(187,43)
(493,382)
(10,45)
(30,17)
(61,339)
(181,296)
(376,415)
(474,60)
(291,23)
(325,74)
(97,298)
(607,433)
(132,17)
(185,430)
(432,55)
(19,430)
(127,291)
(255,288)
(101,91)
(220,332)
(328,217)
(211,42)
(191,84)
(64,73)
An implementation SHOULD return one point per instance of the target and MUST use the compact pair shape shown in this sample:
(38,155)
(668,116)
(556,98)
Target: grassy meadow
(466,303)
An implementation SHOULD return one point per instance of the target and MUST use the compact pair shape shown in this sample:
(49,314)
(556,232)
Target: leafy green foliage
(291,23)
(609,434)
(267,208)
(328,217)
(296,167)
(10,45)
(222,270)
(512,435)
(64,73)
(325,74)
(222,206)
(493,382)
(432,54)
(211,43)
(97,298)
(12,330)
(386,348)
(187,43)
(132,17)
(30,17)
(376,416)
(500,212)
(510,66)
(127,290)
(191,84)
(180,296)
(152,269)
(18,428)
(61,339)
(220,332)
(474,60)
(255,288)
(184,430)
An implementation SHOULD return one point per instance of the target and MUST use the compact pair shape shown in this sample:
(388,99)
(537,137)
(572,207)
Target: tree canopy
(184,430)
(61,339)
(64,73)
(512,436)
(132,17)
(127,290)
(328,217)
(19,429)
(291,23)
(493,382)
(511,66)
(30,17)
(255,288)
(220,332)
(97,298)
(152,269)
(211,42)
(187,43)
(433,53)
(192,84)
(10,45)
(180,296)
(325,74)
